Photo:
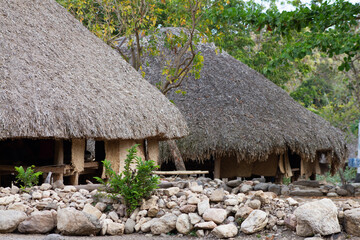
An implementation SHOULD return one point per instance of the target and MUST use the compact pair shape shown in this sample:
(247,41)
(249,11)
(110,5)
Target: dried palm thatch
(58,80)
(233,110)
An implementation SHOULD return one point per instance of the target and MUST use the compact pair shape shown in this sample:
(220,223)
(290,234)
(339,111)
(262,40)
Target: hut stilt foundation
(59,159)
(77,159)
(217,168)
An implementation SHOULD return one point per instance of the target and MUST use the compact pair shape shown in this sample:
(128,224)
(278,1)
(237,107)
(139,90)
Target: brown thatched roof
(232,109)
(59,80)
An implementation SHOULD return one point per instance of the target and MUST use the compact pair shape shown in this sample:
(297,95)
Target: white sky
(283,6)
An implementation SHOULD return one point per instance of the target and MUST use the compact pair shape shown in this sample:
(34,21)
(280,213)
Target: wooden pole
(77,159)
(59,159)
(217,168)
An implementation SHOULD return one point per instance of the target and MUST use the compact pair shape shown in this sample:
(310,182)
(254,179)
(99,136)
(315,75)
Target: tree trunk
(175,152)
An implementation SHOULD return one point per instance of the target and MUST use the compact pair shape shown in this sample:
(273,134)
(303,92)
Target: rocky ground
(201,207)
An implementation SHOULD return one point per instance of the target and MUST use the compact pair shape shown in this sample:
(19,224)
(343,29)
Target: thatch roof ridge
(58,80)
(232,109)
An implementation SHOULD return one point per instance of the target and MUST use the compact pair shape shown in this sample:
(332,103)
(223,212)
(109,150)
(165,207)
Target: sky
(283,6)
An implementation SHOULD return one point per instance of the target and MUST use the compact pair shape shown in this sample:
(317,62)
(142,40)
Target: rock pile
(195,206)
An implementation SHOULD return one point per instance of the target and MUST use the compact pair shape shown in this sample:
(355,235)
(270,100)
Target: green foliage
(313,91)
(286,180)
(133,185)
(349,175)
(193,233)
(28,178)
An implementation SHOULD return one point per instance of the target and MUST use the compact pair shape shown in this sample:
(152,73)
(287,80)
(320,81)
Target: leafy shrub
(29,178)
(132,185)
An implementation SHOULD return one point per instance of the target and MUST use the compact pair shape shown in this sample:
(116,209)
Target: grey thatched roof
(59,80)
(232,109)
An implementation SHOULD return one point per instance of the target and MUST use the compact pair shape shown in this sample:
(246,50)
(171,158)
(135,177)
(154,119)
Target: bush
(29,178)
(132,185)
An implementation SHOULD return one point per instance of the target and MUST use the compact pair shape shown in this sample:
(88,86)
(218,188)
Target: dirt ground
(285,235)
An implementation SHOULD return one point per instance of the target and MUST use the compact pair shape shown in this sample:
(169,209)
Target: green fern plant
(29,178)
(132,184)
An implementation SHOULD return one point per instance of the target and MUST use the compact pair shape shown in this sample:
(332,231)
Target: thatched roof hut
(59,81)
(235,112)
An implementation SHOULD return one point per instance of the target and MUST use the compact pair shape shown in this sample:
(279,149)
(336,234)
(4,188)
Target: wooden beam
(179,172)
(45,169)
(217,168)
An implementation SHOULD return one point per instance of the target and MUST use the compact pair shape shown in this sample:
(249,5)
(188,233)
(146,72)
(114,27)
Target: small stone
(194,218)
(129,226)
(193,200)
(231,202)
(245,188)
(234,183)
(36,195)
(255,222)
(255,204)
(215,214)
(217,195)
(200,233)
(171,204)
(292,202)
(115,228)
(261,186)
(88,208)
(45,187)
(352,221)
(69,189)
(206,225)
(114,216)
(171,191)
(203,206)
(225,231)
(188,209)
(275,188)
(243,212)
(342,192)
(332,194)
(54,236)
(153,211)
(165,184)
(183,224)
(101,206)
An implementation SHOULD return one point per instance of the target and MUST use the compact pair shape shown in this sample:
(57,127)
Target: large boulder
(225,231)
(216,215)
(255,222)
(115,228)
(183,224)
(88,208)
(38,222)
(203,206)
(352,221)
(318,217)
(217,195)
(10,219)
(165,224)
(73,222)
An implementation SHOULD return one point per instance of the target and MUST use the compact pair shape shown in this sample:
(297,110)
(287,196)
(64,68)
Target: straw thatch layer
(59,80)
(233,110)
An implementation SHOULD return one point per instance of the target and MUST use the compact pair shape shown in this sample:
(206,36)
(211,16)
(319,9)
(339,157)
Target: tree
(132,28)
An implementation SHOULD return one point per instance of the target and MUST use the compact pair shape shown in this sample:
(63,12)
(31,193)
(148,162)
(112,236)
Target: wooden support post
(59,159)
(77,159)
(153,150)
(112,154)
(217,168)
